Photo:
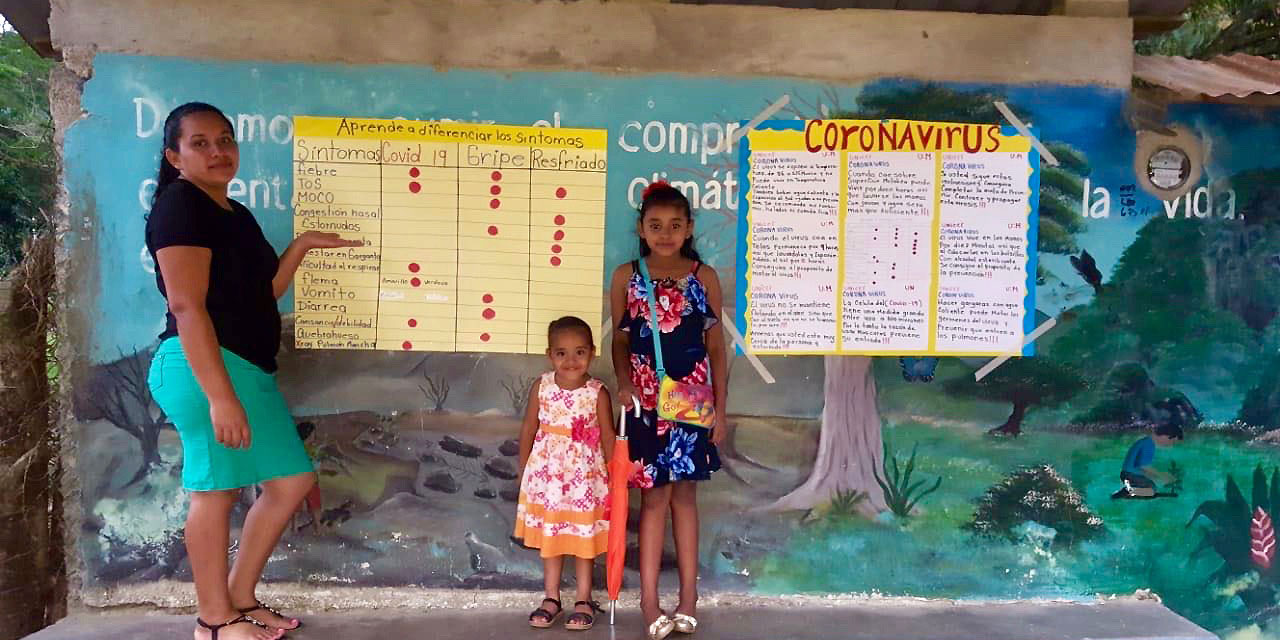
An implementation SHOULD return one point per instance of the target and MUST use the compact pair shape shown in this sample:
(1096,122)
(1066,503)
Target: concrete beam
(847,45)
(1096,8)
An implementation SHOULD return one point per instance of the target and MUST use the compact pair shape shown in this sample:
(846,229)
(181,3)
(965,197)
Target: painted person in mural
(213,373)
(669,457)
(565,440)
(1138,472)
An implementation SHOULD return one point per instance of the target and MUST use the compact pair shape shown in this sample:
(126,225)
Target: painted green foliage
(1024,383)
(1037,494)
(1191,300)
(900,494)
(1239,532)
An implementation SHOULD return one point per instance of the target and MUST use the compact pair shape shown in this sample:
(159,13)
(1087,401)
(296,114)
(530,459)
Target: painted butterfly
(918,369)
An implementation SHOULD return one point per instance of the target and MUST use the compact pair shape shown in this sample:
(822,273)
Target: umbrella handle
(622,417)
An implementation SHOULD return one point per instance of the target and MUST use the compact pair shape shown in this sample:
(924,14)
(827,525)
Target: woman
(213,371)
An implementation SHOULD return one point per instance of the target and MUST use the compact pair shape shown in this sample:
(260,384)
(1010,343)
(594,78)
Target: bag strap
(653,319)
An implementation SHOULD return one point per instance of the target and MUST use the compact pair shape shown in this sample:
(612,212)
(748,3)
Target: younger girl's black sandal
(579,621)
(542,618)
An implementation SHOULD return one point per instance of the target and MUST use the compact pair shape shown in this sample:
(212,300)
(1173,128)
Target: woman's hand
(719,427)
(230,424)
(323,240)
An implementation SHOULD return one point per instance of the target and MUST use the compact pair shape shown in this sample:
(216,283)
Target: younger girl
(566,437)
(669,457)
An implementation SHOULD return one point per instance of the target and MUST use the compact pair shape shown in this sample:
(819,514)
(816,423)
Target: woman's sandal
(660,628)
(243,619)
(684,623)
(258,606)
(541,618)
(579,621)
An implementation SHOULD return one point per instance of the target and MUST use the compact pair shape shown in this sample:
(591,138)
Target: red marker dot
(489,314)
(495,189)
(407,345)
(484,337)
(561,192)
(497,175)
(413,173)
(414,187)
(488,297)
(555,248)
(494,203)
(493,231)
(413,267)
(555,261)
(415,282)
(412,322)
(559,219)
(559,236)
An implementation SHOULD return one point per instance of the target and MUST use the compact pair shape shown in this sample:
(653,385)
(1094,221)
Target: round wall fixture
(1168,168)
(1168,165)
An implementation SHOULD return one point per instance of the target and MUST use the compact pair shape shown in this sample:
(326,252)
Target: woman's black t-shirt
(240,300)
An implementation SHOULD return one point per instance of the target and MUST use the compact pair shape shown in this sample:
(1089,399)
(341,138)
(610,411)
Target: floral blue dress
(664,451)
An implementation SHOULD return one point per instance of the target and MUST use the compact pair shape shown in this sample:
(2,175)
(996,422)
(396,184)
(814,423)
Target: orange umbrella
(619,472)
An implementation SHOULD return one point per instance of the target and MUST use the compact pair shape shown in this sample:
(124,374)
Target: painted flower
(645,380)
(677,457)
(641,475)
(585,431)
(696,297)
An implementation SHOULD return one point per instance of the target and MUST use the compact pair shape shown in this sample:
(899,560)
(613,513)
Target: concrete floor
(1125,619)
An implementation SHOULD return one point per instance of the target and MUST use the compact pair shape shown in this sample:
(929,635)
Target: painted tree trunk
(849,448)
(150,443)
(1013,426)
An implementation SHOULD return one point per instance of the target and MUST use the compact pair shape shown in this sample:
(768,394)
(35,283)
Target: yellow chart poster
(475,236)
(888,237)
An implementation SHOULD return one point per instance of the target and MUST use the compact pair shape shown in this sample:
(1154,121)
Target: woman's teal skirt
(275,449)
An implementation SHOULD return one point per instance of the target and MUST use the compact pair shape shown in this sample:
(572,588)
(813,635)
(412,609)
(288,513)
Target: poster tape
(1022,129)
(760,117)
(1031,337)
(751,357)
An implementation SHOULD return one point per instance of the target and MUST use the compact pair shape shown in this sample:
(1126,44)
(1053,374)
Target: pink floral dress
(565,489)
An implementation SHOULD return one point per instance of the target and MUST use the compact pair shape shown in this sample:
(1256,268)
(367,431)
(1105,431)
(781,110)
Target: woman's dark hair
(570,323)
(172,131)
(663,194)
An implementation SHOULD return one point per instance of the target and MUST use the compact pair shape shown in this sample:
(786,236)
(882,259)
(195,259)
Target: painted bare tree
(121,396)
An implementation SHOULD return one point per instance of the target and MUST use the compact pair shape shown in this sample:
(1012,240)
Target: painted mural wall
(1004,489)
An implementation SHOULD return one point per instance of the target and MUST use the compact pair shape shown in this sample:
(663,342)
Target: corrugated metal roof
(1238,75)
